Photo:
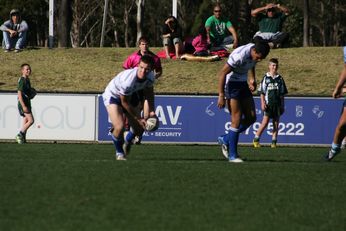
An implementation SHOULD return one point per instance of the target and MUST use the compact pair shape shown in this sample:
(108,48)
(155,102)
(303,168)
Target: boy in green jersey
(25,94)
(272,90)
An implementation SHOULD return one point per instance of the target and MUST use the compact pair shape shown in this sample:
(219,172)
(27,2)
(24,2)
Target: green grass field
(169,187)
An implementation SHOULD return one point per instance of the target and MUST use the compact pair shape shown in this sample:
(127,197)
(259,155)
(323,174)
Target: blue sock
(225,138)
(129,137)
(118,144)
(233,138)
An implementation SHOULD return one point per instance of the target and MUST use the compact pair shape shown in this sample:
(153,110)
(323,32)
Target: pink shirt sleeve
(127,63)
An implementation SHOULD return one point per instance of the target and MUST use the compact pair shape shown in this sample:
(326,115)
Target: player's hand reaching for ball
(141,122)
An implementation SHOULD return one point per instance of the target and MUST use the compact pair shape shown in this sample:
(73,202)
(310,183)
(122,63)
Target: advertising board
(57,117)
(197,119)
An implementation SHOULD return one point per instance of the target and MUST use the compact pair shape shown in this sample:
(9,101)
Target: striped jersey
(273,87)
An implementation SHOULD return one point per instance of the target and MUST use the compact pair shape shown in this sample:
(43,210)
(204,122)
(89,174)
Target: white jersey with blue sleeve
(126,83)
(241,62)
(345,54)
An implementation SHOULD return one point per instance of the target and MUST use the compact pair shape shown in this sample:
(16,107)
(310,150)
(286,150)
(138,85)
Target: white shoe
(229,46)
(236,160)
(224,147)
(343,145)
(127,148)
(120,156)
(19,139)
(137,140)
(331,154)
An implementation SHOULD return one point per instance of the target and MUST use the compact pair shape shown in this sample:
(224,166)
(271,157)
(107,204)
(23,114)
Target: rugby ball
(32,93)
(152,124)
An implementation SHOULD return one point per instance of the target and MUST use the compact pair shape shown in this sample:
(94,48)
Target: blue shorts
(237,90)
(112,100)
(115,101)
(107,100)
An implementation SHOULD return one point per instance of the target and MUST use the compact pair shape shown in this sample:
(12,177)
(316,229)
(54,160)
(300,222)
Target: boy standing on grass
(272,90)
(117,98)
(25,94)
(340,130)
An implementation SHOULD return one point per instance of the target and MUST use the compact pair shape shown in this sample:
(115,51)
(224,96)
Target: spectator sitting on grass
(219,30)
(172,37)
(200,43)
(270,25)
(14,32)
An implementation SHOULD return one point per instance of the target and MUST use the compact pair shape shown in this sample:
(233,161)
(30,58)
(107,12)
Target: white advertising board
(57,117)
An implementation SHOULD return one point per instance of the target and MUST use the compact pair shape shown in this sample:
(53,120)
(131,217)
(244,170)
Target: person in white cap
(14,32)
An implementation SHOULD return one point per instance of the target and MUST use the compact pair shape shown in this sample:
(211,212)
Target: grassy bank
(307,71)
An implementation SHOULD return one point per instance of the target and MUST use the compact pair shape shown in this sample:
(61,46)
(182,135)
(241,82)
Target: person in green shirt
(220,31)
(272,90)
(270,19)
(25,94)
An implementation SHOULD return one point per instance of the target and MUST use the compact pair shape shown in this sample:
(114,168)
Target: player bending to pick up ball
(116,98)
(235,92)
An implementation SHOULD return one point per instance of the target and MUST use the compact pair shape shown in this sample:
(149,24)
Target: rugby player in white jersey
(117,96)
(235,89)
(340,130)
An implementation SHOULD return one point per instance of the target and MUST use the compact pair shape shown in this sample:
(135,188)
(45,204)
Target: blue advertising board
(197,119)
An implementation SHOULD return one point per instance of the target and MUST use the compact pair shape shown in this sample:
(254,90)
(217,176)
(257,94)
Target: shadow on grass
(33,48)
(246,160)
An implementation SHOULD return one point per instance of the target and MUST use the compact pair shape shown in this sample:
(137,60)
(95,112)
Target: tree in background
(78,23)
(64,19)
(129,4)
(139,19)
(326,22)
(306,41)
(241,17)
